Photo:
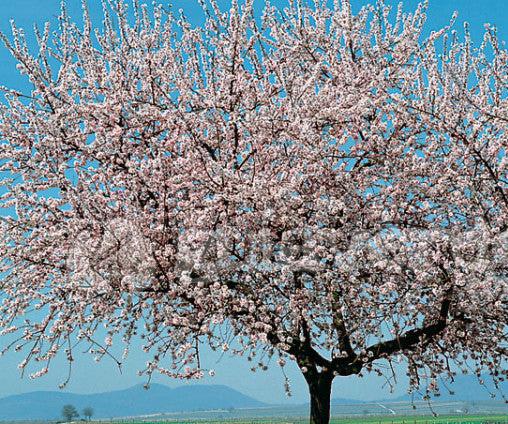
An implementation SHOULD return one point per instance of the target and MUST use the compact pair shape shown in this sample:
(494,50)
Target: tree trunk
(320,389)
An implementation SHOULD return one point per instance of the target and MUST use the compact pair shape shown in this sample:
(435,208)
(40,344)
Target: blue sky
(267,386)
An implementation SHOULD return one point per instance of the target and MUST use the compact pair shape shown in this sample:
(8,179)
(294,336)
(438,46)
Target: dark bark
(320,389)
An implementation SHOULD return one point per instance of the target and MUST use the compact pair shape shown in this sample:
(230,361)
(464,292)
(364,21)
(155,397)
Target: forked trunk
(320,389)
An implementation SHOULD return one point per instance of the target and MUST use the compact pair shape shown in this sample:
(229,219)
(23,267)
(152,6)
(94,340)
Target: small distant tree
(466,408)
(88,413)
(69,412)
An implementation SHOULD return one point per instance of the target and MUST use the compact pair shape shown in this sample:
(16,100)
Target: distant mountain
(160,399)
(123,403)
(464,388)
(342,401)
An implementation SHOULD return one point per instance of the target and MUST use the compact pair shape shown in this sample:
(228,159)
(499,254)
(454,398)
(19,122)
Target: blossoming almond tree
(313,185)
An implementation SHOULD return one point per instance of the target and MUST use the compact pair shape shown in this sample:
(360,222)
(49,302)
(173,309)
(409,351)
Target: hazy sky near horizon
(87,376)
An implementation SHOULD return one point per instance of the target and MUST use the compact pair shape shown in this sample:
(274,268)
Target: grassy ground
(414,419)
(469,419)
(452,419)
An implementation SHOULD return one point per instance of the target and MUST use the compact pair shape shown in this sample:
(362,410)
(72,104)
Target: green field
(445,419)
(451,419)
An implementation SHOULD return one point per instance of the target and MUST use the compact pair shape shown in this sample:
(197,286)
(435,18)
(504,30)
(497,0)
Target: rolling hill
(465,388)
(123,403)
(189,400)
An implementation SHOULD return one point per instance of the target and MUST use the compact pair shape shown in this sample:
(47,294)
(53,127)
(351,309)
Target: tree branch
(412,337)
